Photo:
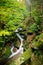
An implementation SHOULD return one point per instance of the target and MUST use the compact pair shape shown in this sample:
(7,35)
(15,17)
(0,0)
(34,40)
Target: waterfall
(20,50)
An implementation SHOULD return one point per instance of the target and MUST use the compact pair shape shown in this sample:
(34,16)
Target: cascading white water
(20,50)
(12,49)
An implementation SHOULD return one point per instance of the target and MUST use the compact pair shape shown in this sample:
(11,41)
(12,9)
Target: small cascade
(12,49)
(20,50)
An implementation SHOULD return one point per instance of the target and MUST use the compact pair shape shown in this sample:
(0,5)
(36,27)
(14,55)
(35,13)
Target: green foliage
(8,52)
(36,13)
(36,9)
(38,41)
(25,46)
(34,28)
(12,13)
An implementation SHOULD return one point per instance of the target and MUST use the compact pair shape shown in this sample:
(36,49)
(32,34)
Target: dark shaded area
(2,24)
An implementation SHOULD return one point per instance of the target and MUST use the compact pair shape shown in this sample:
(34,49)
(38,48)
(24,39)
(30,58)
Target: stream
(20,50)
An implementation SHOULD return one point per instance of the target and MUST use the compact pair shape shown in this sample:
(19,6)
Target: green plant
(34,28)
(12,13)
